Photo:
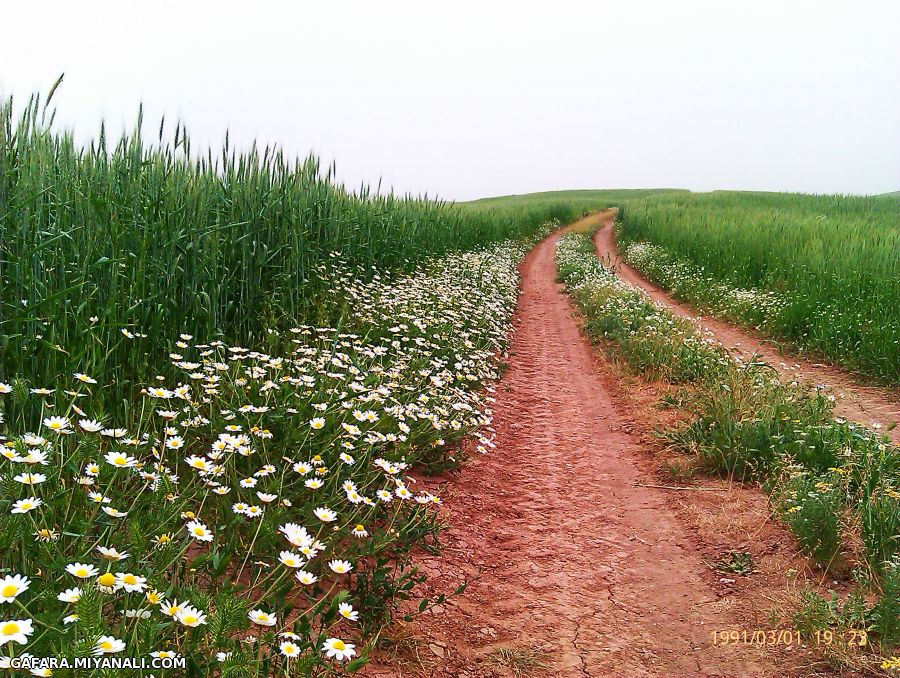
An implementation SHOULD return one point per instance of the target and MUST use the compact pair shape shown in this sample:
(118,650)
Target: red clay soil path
(577,562)
(854,401)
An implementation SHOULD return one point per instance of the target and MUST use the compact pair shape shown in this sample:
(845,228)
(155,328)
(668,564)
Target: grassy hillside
(586,199)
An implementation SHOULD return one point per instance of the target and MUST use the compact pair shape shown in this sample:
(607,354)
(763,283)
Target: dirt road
(578,565)
(853,400)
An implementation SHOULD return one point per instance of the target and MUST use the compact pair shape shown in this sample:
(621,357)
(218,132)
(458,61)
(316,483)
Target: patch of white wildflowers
(709,294)
(257,508)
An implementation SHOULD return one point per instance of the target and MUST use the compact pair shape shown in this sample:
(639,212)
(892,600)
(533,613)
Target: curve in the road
(854,401)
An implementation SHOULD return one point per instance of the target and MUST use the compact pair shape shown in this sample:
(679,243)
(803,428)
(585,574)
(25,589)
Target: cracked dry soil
(572,559)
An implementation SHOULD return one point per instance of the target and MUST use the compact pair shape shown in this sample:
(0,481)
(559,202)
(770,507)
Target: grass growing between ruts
(830,480)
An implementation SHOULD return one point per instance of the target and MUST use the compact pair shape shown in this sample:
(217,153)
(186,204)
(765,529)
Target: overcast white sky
(468,99)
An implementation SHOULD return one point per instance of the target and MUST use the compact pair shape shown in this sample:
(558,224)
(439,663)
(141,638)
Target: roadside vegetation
(255,515)
(820,272)
(216,379)
(111,250)
(834,484)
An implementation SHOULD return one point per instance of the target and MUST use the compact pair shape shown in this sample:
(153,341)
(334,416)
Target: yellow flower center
(339,645)
(9,590)
(9,628)
(198,531)
(106,645)
(81,572)
(129,579)
(107,579)
(360,527)
(119,461)
(189,619)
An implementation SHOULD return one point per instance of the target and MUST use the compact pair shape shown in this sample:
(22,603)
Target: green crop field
(299,380)
(104,244)
(584,200)
(215,371)
(828,265)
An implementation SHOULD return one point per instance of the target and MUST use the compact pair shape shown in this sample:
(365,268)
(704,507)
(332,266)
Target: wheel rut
(567,557)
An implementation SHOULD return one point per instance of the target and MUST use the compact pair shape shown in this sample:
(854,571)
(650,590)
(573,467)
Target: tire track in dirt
(853,400)
(575,561)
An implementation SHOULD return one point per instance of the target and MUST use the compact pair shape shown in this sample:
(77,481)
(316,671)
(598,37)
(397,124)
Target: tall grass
(148,236)
(834,259)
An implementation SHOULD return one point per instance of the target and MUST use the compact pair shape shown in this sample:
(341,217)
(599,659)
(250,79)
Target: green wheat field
(218,368)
